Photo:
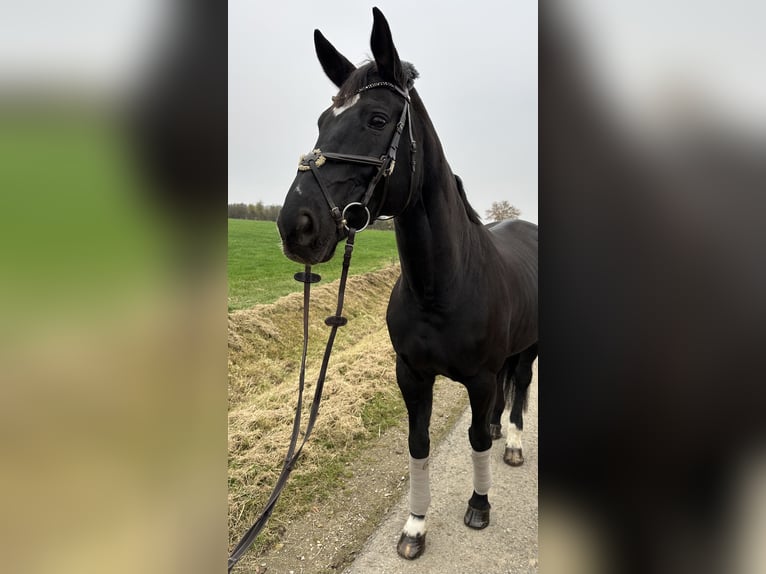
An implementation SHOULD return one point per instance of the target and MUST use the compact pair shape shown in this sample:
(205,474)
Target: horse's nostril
(304,228)
(304,223)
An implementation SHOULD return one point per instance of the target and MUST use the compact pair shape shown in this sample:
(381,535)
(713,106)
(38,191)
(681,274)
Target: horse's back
(516,240)
(515,230)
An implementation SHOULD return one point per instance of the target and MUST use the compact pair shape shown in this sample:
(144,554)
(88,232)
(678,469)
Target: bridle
(346,218)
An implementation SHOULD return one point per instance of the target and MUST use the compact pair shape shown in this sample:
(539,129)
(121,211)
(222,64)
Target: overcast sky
(477,60)
(478,80)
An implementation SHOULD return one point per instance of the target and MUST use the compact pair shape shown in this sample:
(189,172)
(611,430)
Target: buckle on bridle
(348,218)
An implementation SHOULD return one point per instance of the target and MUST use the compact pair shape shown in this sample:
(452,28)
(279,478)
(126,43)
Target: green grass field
(258,272)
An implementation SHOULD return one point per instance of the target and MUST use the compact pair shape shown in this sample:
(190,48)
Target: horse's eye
(378,122)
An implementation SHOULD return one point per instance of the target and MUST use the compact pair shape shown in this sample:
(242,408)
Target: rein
(344,219)
(335,321)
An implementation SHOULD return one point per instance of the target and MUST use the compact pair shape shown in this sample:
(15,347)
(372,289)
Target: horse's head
(350,173)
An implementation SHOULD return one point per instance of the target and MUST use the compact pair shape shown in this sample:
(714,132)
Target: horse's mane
(470,211)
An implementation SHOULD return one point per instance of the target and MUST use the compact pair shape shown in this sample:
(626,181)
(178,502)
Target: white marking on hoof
(514,437)
(415,526)
(349,104)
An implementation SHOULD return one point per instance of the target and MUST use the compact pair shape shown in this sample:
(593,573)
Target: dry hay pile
(264,360)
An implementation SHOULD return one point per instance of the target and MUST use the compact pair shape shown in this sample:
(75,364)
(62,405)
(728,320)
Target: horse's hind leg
(481,392)
(503,383)
(418,396)
(522,377)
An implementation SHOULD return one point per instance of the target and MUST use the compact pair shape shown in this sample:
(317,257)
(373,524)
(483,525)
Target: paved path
(507,546)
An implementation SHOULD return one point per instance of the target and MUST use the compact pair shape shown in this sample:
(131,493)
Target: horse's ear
(386,57)
(335,65)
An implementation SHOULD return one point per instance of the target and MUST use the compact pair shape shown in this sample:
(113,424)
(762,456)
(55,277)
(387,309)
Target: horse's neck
(433,237)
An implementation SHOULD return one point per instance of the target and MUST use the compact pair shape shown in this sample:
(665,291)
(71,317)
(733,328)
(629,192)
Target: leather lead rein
(313,161)
(334,321)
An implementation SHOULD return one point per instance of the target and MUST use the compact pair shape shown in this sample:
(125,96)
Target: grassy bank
(360,397)
(360,401)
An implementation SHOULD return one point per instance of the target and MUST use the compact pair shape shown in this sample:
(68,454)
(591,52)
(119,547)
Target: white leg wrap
(482,477)
(514,437)
(420,487)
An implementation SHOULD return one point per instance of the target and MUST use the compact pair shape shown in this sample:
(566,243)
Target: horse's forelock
(362,76)
(410,74)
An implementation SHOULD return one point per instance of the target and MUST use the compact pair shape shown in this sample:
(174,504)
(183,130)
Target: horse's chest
(437,344)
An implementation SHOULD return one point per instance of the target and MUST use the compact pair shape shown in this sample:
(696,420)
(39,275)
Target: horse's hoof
(494,431)
(513,456)
(410,547)
(475,518)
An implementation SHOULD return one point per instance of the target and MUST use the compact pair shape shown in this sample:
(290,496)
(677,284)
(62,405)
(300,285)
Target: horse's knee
(420,447)
(480,438)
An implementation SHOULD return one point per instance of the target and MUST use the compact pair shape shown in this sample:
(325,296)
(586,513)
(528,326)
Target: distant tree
(501,210)
(271,212)
(258,211)
(238,211)
(255,211)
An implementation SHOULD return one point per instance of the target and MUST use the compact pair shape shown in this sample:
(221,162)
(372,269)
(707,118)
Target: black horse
(465,305)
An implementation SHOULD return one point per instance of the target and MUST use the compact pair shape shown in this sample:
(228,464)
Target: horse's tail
(506,375)
(515,387)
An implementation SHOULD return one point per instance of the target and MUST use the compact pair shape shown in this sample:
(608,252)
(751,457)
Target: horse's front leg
(418,396)
(481,392)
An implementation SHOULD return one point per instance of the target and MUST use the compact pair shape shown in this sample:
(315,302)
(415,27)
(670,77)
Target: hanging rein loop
(334,321)
(357,214)
(354,217)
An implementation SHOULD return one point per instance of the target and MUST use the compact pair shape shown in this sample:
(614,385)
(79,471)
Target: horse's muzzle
(303,240)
